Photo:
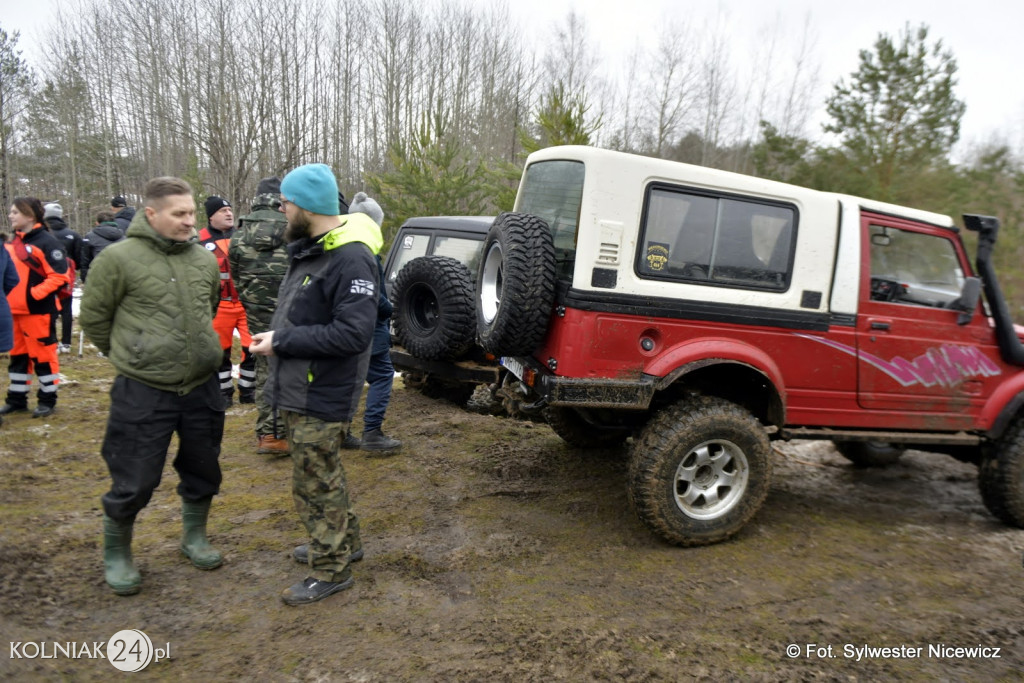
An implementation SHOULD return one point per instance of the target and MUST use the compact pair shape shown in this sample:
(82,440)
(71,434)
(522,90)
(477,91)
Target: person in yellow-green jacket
(319,349)
(149,306)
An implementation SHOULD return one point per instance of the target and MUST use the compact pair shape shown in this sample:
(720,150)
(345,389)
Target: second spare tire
(515,288)
(433,316)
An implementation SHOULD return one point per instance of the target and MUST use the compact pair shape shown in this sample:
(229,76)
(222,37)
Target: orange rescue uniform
(230,317)
(32,303)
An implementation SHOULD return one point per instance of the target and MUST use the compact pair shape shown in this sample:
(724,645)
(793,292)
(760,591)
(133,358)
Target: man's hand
(262,344)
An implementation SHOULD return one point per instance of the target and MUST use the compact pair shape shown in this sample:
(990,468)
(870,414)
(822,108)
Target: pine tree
(898,115)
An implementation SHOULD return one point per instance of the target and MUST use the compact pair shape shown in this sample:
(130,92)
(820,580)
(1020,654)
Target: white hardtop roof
(701,176)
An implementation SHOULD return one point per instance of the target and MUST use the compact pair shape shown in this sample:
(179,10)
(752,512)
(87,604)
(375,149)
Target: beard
(297,229)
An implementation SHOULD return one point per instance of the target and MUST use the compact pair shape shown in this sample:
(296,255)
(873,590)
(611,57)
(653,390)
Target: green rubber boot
(119,568)
(194,542)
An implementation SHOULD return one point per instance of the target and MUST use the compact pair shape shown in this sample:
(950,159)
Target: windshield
(553,190)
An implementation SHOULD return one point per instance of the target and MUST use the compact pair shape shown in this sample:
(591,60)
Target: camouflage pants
(321,494)
(264,411)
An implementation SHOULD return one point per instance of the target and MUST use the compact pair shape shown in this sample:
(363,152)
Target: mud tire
(515,287)
(1001,476)
(574,429)
(433,316)
(682,464)
(869,453)
(485,401)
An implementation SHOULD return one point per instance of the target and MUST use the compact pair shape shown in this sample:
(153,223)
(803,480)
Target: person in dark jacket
(42,268)
(123,214)
(9,279)
(103,234)
(381,373)
(72,241)
(149,308)
(319,347)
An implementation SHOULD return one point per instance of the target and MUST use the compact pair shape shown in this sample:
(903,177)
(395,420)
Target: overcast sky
(984,35)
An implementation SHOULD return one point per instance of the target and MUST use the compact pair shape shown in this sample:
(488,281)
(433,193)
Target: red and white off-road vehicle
(705,313)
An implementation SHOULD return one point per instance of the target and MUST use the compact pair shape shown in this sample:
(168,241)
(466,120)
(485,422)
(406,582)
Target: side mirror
(967,302)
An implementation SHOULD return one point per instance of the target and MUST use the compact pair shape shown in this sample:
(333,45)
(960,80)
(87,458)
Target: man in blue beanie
(319,348)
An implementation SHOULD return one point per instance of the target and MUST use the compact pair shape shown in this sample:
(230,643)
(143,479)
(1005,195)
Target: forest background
(432,108)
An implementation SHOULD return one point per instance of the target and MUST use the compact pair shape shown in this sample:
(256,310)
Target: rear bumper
(625,394)
(460,371)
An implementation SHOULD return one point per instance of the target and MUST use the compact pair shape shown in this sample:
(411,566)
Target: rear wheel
(700,471)
(515,288)
(869,453)
(572,426)
(433,316)
(1001,476)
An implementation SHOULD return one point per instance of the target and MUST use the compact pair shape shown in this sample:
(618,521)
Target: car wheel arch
(738,381)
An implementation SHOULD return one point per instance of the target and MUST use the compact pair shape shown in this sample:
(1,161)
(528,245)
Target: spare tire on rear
(433,316)
(515,288)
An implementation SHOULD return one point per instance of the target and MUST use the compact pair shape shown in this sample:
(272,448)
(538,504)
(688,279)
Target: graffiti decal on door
(946,366)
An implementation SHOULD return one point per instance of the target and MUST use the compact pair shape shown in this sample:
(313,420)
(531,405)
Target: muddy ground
(494,552)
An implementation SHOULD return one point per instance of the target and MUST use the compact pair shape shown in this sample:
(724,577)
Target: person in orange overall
(230,314)
(42,268)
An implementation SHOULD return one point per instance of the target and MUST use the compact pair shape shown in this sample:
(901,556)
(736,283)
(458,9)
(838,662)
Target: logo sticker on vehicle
(947,365)
(657,255)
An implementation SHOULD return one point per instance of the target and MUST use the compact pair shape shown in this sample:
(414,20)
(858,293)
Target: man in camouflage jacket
(259,258)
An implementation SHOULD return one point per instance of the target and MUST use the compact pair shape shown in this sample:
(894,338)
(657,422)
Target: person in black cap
(216,237)
(123,214)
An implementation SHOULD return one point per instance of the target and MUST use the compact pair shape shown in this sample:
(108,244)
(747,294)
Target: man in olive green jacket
(149,306)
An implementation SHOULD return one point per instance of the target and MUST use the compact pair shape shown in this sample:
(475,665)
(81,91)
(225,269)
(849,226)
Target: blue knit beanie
(312,187)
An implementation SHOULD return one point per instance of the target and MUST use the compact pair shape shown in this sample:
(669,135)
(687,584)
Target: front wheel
(700,471)
(1001,476)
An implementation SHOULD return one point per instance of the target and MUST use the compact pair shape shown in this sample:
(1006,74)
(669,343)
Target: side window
(718,240)
(913,268)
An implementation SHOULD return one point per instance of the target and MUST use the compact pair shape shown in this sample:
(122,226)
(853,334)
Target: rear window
(553,190)
(460,249)
(413,245)
(716,240)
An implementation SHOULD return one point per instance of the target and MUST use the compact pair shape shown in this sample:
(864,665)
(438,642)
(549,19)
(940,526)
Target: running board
(934,438)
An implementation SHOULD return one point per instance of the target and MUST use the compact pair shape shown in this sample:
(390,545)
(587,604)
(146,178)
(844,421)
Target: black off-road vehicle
(429,276)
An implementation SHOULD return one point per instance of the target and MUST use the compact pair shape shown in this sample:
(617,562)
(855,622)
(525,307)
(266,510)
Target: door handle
(879,325)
